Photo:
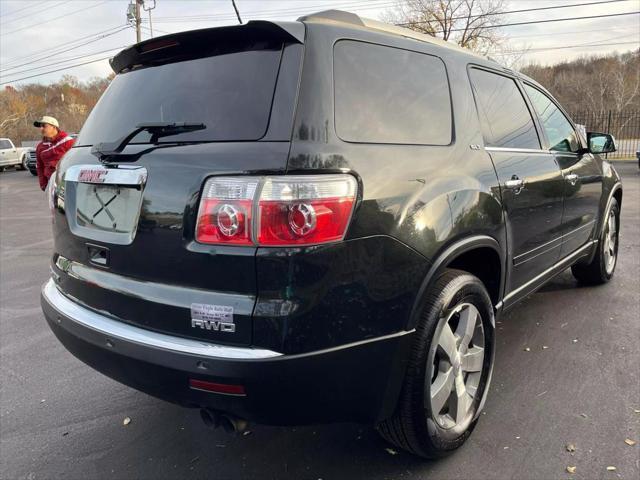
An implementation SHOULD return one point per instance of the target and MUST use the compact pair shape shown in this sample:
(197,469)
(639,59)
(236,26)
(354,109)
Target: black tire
(414,427)
(599,270)
(23,164)
(33,172)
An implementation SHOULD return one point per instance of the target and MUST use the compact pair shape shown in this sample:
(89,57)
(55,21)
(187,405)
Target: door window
(505,119)
(5,144)
(562,137)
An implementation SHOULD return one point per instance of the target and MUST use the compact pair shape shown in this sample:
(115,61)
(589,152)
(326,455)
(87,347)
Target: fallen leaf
(611,468)
(570,447)
(630,442)
(527,349)
(65,434)
(571,469)
(505,448)
(575,340)
(584,415)
(636,410)
(126,421)
(391,451)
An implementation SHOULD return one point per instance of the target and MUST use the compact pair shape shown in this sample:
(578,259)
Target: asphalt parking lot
(60,419)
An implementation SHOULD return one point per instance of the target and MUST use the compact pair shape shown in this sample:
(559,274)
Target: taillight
(225,212)
(277,210)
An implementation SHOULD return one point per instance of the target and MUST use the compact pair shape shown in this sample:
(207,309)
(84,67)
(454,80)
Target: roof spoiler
(203,41)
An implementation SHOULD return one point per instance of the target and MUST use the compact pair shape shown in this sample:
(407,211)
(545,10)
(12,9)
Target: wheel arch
(480,255)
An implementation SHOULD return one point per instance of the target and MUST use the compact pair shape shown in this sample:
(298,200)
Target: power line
(531,22)
(56,70)
(53,47)
(49,56)
(30,14)
(22,9)
(54,18)
(566,33)
(523,10)
(282,11)
(63,60)
(535,50)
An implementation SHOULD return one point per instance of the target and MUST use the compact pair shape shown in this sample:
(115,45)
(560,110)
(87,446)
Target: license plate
(107,207)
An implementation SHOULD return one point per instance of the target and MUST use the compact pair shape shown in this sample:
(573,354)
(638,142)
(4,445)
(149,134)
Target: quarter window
(561,135)
(504,116)
(389,95)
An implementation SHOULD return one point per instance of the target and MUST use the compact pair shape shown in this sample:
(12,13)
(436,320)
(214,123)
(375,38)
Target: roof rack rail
(341,16)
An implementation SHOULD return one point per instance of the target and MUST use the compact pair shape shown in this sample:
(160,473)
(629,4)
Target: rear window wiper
(157,130)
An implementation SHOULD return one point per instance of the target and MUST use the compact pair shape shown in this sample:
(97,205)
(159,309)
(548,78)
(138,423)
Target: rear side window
(389,95)
(504,116)
(562,137)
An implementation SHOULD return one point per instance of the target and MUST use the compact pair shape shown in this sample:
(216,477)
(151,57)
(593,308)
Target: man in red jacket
(51,149)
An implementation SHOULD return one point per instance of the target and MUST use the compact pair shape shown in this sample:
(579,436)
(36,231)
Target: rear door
(530,180)
(125,230)
(582,175)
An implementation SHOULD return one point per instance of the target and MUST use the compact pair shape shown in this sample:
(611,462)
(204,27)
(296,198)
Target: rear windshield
(230,93)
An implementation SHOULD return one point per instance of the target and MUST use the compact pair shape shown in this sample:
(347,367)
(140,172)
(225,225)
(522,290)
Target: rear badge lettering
(218,318)
(92,175)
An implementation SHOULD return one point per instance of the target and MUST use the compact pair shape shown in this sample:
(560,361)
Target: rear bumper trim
(119,330)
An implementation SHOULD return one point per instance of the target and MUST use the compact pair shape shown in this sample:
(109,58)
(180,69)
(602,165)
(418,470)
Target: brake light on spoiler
(275,210)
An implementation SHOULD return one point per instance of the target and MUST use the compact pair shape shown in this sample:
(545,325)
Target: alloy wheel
(457,368)
(610,243)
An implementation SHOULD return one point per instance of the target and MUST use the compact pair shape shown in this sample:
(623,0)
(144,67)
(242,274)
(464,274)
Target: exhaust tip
(229,423)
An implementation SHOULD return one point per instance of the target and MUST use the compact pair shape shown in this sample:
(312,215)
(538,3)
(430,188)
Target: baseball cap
(45,119)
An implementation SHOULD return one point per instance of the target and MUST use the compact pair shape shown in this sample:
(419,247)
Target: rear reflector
(216,387)
(276,210)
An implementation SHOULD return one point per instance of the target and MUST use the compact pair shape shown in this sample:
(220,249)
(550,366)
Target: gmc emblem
(92,176)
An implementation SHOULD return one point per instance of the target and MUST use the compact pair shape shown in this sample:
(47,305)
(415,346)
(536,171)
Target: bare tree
(465,22)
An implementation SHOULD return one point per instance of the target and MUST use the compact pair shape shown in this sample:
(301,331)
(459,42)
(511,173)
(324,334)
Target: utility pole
(149,11)
(133,17)
(138,21)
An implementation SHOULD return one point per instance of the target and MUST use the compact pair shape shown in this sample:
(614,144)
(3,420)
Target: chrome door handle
(516,184)
(572,178)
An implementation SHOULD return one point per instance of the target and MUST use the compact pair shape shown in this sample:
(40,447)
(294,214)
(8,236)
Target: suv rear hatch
(124,225)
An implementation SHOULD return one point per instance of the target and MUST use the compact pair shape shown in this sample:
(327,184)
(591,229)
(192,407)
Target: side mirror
(601,142)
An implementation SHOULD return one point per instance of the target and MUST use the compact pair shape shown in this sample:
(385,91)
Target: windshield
(231,94)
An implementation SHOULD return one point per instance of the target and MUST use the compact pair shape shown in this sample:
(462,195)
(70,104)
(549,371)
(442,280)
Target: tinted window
(505,118)
(388,95)
(562,137)
(4,144)
(231,94)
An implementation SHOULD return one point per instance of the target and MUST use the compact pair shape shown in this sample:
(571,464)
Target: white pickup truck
(10,155)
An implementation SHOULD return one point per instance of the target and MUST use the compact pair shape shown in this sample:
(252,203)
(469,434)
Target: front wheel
(601,268)
(449,369)
(23,166)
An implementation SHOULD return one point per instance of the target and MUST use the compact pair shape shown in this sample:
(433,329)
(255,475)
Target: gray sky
(29,27)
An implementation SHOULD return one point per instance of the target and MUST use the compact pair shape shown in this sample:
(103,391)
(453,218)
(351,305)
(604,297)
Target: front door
(531,182)
(582,175)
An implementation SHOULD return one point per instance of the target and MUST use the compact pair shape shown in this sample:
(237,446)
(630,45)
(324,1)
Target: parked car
(319,221)
(31,162)
(12,156)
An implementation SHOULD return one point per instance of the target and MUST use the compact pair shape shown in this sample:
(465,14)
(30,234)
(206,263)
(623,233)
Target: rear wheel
(601,268)
(448,371)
